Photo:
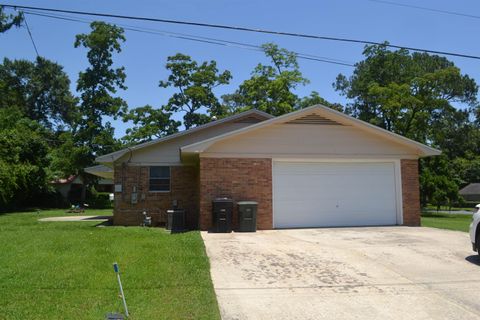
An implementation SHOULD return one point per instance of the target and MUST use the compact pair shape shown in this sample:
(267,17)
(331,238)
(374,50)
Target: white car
(475,229)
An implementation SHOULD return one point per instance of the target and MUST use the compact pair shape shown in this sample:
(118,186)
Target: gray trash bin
(247,216)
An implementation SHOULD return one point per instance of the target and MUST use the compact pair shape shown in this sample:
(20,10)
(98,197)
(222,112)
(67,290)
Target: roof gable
(252,116)
(321,116)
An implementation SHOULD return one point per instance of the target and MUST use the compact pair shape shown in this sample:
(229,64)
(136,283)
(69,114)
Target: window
(159,179)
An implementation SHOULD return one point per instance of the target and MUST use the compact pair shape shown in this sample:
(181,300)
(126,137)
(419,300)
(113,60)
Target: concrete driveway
(345,273)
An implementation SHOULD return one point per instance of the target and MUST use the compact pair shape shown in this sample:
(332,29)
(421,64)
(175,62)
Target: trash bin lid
(175,211)
(247,203)
(223,200)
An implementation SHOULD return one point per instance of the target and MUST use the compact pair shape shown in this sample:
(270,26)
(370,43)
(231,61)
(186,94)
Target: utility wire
(236,28)
(30,34)
(453,13)
(198,39)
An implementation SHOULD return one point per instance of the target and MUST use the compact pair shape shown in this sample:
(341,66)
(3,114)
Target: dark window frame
(169,178)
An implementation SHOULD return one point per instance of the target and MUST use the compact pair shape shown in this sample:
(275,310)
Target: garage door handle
(222,219)
(247,218)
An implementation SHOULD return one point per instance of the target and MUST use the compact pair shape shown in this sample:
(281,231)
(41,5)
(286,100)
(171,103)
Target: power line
(30,34)
(199,39)
(236,28)
(453,13)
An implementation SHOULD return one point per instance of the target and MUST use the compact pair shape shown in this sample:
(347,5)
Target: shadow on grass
(474,259)
(19,211)
(435,215)
(108,223)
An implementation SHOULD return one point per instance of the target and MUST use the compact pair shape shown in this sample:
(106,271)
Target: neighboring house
(105,184)
(471,192)
(314,167)
(71,187)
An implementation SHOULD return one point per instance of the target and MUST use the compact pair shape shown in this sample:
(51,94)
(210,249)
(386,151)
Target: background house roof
(100,171)
(472,188)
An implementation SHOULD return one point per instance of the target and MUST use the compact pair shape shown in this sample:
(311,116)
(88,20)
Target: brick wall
(239,179)
(183,188)
(410,192)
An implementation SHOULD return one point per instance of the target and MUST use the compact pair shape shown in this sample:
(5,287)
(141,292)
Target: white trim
(397,178)
(159,164)
(304,156)
(399,191)
(273,194)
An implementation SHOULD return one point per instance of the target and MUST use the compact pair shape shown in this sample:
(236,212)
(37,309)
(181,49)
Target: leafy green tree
(8,21)
(271,86)
(418,96)
(67,157)
(315,98)
(97,86)
(438,182)
(23,160)
(40,90)
(405,92)
(194,83)
(149,123)
(467,169)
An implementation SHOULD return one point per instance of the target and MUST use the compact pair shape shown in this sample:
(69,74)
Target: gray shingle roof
(472,188)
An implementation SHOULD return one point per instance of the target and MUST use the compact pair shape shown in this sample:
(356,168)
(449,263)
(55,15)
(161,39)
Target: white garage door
(323,194)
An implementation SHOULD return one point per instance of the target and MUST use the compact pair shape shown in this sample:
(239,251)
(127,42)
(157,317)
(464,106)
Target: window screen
(159,179)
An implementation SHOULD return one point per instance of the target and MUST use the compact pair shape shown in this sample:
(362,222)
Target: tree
(97,86)
(40,90)
(23,160)
(149,123)
(195,84)
(405,92)
(417,95)
(67,156)
(315,98)
(8,21)
(271,86)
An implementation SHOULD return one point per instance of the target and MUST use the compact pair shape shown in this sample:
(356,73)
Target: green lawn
(63,270)
(459,222)
(446,208)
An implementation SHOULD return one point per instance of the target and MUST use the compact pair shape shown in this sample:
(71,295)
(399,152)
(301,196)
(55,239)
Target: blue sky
(144,55)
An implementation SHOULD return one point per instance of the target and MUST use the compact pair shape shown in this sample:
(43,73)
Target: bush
(99,200)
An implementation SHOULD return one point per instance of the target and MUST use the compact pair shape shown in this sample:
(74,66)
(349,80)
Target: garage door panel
(333,194)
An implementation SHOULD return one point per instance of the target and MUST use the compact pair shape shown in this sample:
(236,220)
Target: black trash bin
(222,209)
(247,216)
(175,220)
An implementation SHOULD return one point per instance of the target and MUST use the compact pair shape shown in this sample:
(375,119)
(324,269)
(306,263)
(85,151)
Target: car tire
(477,240)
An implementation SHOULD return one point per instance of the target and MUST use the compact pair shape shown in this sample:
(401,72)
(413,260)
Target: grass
(63,270)
(446,208)
(459,222)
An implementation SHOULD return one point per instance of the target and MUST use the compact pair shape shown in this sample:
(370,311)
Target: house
(71,188)
(105,183)
(314,167)
(471,192)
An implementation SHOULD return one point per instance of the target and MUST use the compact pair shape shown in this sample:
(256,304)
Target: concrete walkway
(345,273)
(77,218)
